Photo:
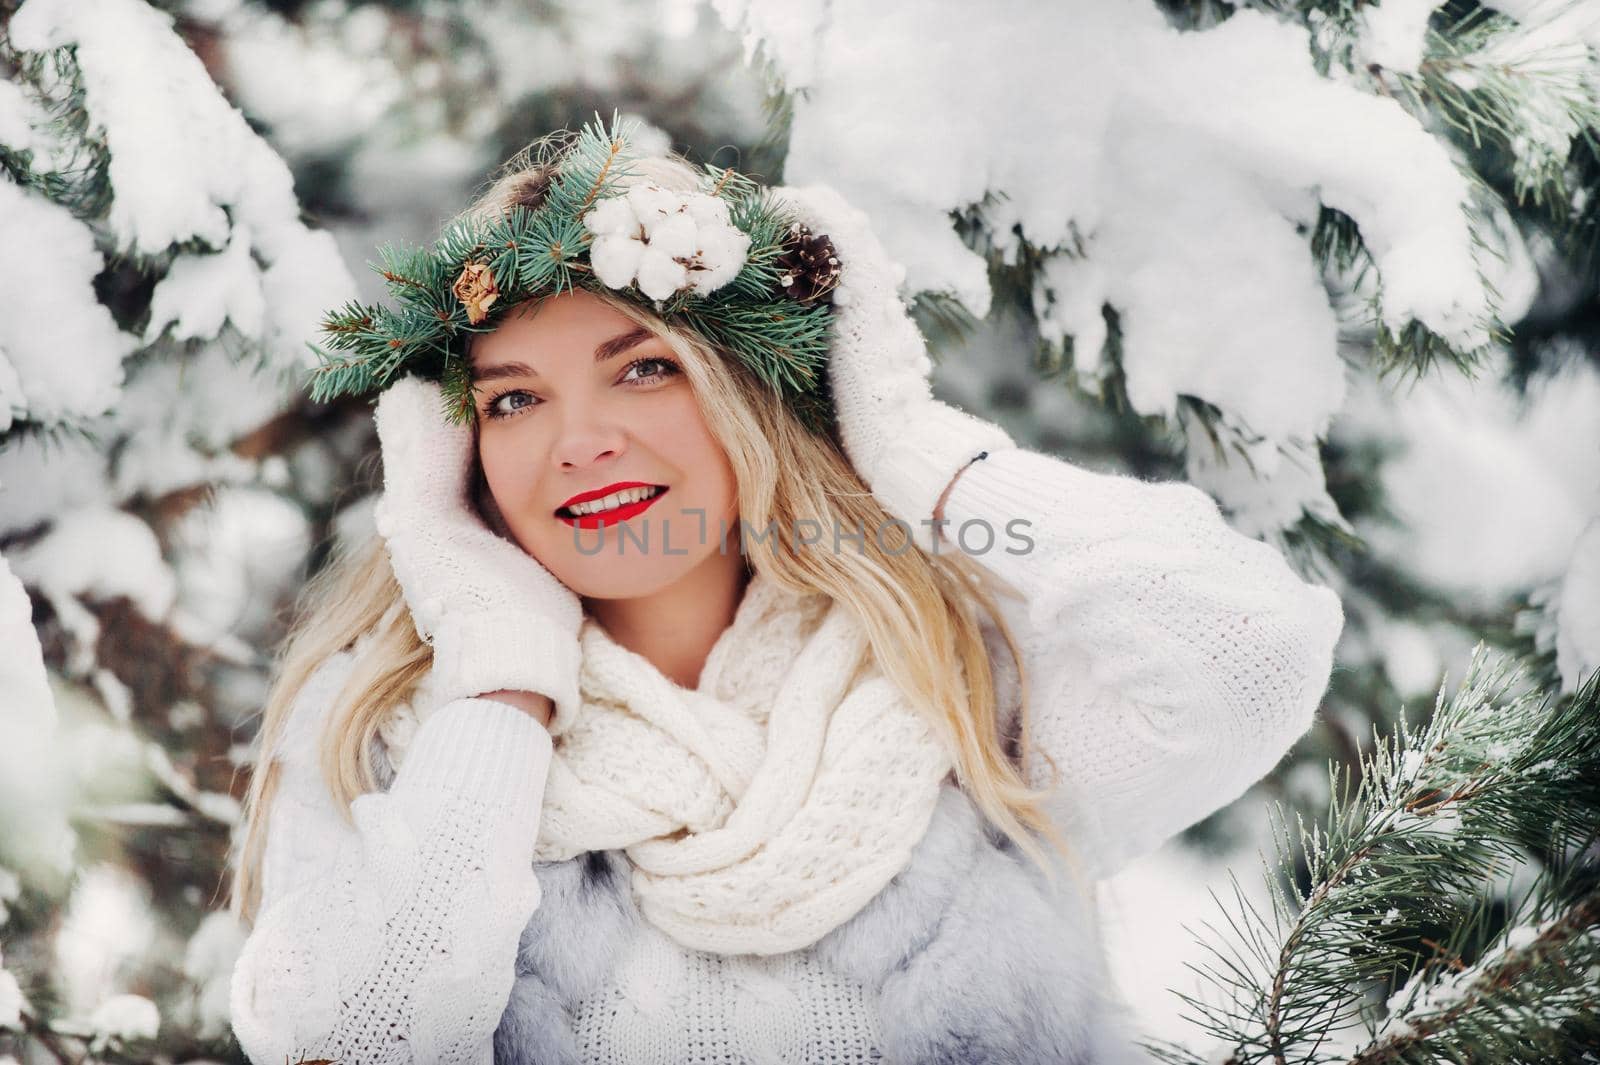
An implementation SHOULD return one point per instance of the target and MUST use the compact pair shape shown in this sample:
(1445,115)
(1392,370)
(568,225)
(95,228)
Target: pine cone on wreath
(808,269)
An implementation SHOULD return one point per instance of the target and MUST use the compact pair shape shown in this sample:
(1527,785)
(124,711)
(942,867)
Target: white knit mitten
(496,618)
(905,444)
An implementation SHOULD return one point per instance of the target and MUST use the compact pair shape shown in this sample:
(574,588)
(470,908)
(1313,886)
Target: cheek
(711,461)
(506,468)
(678,433)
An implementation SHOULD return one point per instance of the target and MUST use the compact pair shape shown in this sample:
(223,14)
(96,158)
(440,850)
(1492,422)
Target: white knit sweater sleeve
(1172,660)
(393,939)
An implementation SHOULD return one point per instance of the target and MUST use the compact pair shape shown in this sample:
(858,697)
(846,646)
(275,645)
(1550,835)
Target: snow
(99,553)
(208,964)
(1411,764)
(289,72)
(1152,912)
(1578,635)
(1170,173)
(1411,658)
(1507,263)
(63,315)
(10,889)
(1393,33)
(1435,988)
(21,119)
(22,671)
(1492,493)
(532,59)
(107,924)
(11,1002)
(155,104)
(200,292)
(234,557)
(1443,822)
(183,160)
(126,1017)
(34,833)
(172,428)
(1305,784)
(180,415)
(1264,352)
(216,806)
(39,478)
(1171,176)
(1264,486)
(785,34)
(354,525)
(1552,46)
(306,277)
(1558,19)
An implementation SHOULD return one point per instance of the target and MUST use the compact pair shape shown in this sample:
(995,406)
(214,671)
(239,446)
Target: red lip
(615,514)
(584,497)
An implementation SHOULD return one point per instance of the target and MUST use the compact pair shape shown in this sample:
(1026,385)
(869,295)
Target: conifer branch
(1500,778)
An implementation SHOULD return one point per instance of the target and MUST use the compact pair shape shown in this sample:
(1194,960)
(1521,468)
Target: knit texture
(965,956)
(496,619)
(780,1008)
(802,776)
(904,444)
(1169,663)
(392,939)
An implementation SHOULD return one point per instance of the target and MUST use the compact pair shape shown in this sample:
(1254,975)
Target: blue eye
(663,370)
(494,410)
(668,369)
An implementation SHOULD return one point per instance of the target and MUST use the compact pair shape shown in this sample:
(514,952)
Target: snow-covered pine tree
(165,481)
(1234,231)
(159,286)
(1445,907)
(1243,235)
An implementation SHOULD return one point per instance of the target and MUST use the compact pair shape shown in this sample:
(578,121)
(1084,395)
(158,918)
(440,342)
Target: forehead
(572,325)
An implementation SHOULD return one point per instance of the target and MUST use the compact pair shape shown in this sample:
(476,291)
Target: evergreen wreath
(727,261)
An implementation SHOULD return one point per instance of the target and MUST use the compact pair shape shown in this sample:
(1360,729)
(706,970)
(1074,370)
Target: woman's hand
(538,707)
(906,445)
(497,619)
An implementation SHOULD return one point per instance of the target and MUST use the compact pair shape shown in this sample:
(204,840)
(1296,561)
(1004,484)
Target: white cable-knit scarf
(762,810)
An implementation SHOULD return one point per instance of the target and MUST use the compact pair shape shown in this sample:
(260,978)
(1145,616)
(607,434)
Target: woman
(657,726)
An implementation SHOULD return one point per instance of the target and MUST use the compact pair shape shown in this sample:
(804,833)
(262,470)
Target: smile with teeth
(612,501)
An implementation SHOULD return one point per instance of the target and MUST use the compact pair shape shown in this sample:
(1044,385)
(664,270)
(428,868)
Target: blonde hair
(918,610)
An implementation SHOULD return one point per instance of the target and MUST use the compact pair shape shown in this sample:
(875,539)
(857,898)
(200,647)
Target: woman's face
(573,400)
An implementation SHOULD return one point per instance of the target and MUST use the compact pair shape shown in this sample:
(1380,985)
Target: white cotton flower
(660,275)
(665,241)
(615,259)
(722,254)
(652,204)
(676,236)
(709,210)
(611,216)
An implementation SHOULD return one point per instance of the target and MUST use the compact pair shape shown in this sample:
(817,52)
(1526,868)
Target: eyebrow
(608,350)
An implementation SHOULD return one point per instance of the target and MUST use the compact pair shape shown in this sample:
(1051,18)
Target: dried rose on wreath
(476,290)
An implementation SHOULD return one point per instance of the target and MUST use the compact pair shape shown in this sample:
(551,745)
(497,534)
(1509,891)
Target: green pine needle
(537,252)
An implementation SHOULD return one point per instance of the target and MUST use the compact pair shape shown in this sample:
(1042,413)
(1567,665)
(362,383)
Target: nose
(587,437)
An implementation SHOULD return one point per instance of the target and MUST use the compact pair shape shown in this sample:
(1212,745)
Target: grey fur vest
(974,959)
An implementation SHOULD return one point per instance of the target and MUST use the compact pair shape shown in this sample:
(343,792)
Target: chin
(610,565)
(605,576)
